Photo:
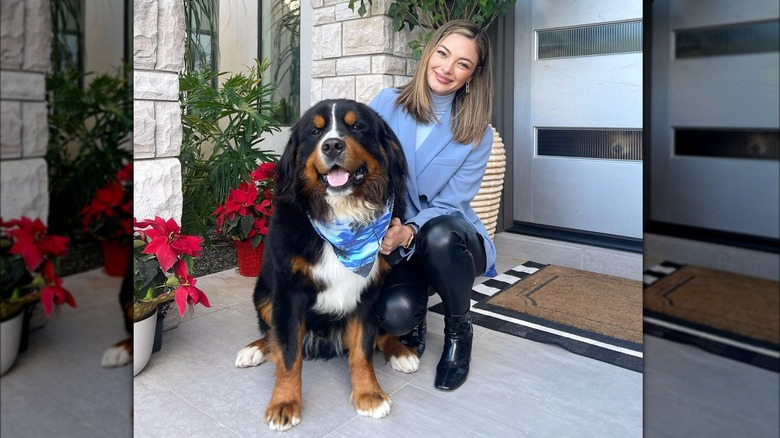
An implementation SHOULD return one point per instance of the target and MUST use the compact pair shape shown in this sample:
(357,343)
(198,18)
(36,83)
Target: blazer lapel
(439,137)
(406,131)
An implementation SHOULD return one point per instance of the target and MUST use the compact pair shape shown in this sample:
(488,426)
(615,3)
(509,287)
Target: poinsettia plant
(29,261)
(247,210)
(163,259)
(109,215)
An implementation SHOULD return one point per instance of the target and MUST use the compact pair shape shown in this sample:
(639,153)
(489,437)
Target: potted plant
(29,260)
(90,117)
(245,215)
(109,218)
(162,261)
(222,132)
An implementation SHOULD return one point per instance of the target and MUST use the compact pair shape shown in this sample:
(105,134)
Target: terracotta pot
(116,258)
(249,259)
(143,341)
(10,337)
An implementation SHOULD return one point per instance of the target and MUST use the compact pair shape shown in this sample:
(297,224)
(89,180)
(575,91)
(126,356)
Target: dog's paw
(120,354)
(373,404)
(283,416)
(250,356)
(405,363)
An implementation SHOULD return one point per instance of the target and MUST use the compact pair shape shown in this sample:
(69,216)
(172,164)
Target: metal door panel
(606,195)
(734,195)
(584,92)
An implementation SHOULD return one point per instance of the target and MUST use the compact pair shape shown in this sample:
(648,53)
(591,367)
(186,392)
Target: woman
(441,118)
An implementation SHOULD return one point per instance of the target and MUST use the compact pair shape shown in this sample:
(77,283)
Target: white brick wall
(354,57)
(25,42)
(158,43)
(157,188)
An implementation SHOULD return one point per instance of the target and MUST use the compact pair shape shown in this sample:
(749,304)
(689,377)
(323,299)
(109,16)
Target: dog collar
(356,245)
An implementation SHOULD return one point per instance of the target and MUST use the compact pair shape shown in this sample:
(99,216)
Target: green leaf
(247,222)
(256,240)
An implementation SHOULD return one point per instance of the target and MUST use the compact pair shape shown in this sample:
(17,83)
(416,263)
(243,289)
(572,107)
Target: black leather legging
(448,256)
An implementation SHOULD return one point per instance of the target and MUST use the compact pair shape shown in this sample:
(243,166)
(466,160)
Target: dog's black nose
(332,147)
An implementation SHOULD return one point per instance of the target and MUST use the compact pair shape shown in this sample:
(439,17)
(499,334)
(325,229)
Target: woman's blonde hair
(470,111)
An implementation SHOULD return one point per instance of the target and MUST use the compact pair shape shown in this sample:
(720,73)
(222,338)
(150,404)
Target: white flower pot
(10,336)
(143,341)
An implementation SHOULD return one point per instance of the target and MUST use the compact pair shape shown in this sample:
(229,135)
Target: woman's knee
(401,308)
(443,239)
(443,233)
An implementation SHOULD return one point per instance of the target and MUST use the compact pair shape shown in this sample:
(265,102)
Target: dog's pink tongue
(337,177)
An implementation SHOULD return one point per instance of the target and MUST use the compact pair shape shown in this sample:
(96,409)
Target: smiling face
(451,64)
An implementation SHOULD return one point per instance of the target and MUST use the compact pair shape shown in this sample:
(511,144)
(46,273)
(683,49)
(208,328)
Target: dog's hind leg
(401,357)
(369,398)
(119,354)
(255,353)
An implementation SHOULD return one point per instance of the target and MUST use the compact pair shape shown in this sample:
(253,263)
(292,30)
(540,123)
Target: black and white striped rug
(717,341)
(585,343)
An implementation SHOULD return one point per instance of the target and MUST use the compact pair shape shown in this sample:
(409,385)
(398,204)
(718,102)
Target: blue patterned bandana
(356,246)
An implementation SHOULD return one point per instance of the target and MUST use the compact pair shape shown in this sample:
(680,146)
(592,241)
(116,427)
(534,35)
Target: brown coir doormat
(593,315)
(729,314)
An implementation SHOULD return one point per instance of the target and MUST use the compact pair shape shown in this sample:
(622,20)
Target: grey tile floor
(57,387)
(516,388)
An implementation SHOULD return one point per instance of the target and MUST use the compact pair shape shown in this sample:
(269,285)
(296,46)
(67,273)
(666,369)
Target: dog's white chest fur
(342,286)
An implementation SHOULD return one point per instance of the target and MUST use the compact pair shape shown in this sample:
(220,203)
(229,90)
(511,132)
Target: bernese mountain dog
(339,181)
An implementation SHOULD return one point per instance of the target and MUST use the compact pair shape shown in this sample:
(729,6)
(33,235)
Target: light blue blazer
(444,175)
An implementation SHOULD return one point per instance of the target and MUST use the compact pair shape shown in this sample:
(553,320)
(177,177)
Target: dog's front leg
(369,398)
(284,409)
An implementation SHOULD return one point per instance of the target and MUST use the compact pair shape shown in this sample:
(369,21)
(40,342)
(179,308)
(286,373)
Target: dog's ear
(286,177)
(396,159)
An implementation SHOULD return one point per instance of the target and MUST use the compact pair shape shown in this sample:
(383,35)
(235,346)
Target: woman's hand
(397,235)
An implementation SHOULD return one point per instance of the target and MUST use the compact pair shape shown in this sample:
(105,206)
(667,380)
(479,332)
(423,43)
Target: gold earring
(467,87)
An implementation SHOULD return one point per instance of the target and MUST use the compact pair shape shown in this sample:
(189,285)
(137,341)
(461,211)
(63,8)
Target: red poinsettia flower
(54,293)
(263,171)
(33,243)
(241,199)
(104,202)
(265,206)
(126,174)
(167,242)
(48,272)
(187,292)
(10,224)
(248,208)
(112,204)
(261,226)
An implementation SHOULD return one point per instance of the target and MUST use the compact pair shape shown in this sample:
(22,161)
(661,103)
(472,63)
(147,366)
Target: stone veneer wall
(25,46)
(355,57)
(158,44)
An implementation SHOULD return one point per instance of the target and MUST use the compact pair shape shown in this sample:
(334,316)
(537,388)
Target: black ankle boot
(453,367)
(415,338)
